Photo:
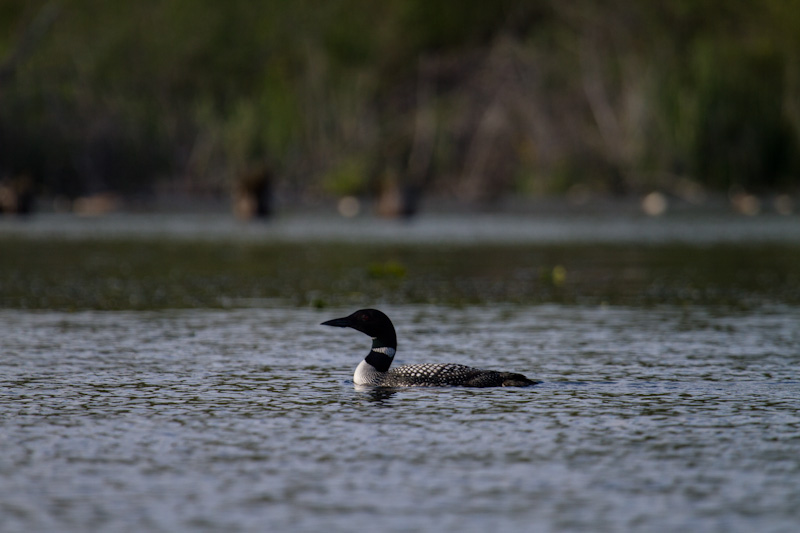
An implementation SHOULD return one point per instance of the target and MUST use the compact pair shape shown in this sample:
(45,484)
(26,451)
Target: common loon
(374,369)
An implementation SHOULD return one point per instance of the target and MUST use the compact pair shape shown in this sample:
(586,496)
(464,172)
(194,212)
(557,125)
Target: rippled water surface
(669,418)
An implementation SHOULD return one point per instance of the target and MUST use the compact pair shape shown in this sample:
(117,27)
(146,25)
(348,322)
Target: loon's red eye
(364,317)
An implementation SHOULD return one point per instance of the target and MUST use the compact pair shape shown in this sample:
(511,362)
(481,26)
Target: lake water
(170,374)
(247,420)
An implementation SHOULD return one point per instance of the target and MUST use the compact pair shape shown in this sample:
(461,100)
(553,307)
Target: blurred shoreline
(548,221)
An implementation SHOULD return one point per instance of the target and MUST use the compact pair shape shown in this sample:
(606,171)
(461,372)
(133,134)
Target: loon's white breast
(366,374)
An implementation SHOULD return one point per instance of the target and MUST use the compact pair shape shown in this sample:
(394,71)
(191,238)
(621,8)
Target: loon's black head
(372,322)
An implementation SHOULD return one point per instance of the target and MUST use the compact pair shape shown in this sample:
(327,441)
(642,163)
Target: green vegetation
(164,274)
(472,99)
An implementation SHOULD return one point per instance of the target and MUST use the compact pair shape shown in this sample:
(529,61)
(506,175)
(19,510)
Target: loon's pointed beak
(339,322)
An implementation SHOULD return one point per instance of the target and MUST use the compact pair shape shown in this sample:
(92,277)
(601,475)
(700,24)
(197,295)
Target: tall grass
(473,100)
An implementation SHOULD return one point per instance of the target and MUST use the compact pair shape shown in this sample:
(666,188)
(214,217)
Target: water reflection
(376,394)
(651,419)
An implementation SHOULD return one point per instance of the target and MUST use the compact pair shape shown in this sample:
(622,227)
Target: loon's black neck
(378,326)
(382,353)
